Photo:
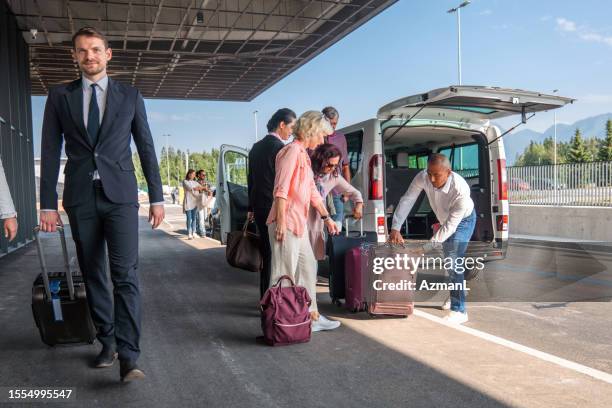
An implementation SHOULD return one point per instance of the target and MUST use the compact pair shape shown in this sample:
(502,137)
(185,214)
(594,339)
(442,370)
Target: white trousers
(293,256)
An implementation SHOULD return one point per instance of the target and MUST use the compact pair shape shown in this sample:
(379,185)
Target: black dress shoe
(129,371)
(106,358)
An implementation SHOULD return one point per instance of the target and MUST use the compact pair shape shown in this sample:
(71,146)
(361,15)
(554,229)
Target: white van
(387,152)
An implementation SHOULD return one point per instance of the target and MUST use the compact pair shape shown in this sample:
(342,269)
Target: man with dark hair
(339,140)
(449,196)
(262,172)
(203,200)
(98,118)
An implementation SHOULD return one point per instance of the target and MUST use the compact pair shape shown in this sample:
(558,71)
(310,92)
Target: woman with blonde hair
(294,193)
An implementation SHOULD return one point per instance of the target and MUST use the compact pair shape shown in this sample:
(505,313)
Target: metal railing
(582,184)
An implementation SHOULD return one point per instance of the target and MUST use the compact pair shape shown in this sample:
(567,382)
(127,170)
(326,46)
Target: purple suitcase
(356,266)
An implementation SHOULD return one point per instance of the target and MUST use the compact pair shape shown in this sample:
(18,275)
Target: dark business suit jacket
(124,117)
(262,172)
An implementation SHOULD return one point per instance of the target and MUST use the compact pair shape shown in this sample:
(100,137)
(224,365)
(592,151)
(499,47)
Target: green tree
(579,151)
(605,150)
(534,154)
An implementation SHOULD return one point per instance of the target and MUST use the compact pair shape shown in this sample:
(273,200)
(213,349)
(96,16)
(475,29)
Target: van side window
(354,142)
(465,161)
(417,162)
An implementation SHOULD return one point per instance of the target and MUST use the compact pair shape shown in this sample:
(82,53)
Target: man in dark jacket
(261,182)
(98,118)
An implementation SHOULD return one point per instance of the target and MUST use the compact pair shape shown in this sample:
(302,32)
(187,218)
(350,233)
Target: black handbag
(242,250)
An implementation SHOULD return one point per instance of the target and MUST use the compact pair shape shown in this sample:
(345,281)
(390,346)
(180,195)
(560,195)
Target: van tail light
(376,177)
(502,222)
(502,179)
(380,225)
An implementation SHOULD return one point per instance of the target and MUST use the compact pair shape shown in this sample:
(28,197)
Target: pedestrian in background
(203,199)
(190,201)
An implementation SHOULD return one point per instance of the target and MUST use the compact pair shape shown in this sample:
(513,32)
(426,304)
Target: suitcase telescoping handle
(346,225)
(43,263)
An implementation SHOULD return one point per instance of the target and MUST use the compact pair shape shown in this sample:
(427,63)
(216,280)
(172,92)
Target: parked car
(546,184)
(517,184)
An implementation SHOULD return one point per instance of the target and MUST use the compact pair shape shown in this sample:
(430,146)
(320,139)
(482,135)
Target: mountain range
(594,126)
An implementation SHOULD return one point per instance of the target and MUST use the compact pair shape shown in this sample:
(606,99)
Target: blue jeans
(192,221)
(339,206)
(454,247)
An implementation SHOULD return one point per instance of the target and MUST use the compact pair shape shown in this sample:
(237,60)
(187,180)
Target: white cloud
(585,33)
(545,18)
(566,25)
(486,12)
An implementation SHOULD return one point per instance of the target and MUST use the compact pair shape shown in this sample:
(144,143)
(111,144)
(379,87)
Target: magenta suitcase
(356,266)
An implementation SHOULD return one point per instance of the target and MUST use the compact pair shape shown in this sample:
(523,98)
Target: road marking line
(512,310)
(592,372)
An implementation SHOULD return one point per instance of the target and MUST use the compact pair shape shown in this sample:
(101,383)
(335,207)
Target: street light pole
(555,151)
(256,135)
(168,157)
(457,10)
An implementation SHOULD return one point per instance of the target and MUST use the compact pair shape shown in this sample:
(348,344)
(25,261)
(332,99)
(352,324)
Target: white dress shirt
(7,208)
(451,203)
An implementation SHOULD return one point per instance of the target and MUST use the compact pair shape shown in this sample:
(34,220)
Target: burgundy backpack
(285,318)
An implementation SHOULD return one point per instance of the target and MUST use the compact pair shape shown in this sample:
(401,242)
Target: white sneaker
(324,324)
(446,305)
(190,236)
(454,317)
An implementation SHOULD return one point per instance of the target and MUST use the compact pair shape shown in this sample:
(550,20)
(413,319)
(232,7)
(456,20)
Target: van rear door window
(354,141)
(465,161)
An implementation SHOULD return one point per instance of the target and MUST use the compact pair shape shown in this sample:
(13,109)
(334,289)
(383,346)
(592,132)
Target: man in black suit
(262,159)
(97,118)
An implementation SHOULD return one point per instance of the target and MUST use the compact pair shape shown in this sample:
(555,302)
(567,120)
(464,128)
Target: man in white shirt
(7,208)
(449,196)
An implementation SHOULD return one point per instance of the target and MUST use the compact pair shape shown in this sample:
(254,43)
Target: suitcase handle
(346,220)
(43,263)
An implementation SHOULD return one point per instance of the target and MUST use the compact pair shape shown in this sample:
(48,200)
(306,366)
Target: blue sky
(410,48)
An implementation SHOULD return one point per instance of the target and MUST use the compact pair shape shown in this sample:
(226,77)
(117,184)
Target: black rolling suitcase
(337,246)
(59,302)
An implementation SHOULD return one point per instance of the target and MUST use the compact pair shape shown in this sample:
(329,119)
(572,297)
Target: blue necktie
(93,119)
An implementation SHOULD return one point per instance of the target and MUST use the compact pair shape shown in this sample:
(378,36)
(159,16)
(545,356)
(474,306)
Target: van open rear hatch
(475,102)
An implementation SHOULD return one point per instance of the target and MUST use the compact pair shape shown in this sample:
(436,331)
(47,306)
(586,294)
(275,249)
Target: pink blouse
(294,182)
